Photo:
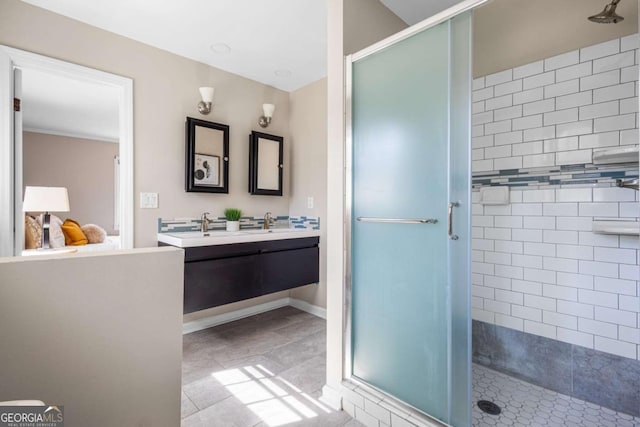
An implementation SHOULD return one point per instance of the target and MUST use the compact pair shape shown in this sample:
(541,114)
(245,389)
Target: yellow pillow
(73,235)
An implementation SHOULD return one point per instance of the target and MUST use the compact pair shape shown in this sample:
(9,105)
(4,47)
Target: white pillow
(56,236)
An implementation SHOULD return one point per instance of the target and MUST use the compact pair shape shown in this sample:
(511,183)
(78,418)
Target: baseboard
(309,308)
(331,397)
(219,319)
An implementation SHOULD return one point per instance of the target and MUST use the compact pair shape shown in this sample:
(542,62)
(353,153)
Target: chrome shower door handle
(398,220)
(451,206)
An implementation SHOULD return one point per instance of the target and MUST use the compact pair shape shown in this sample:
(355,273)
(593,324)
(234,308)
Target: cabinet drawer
(289,244)
(216,282)
(289,269)
(221,251)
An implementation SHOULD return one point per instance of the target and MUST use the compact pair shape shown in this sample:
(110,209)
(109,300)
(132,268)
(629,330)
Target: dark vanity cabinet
(221,274)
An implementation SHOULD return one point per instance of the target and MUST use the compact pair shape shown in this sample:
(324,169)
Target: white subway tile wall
(537,267)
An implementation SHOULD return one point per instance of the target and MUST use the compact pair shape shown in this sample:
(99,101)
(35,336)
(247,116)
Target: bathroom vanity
(223,267)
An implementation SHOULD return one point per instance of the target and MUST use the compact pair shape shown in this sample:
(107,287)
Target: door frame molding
(432,21)
(8,201)
(7,182)
(439,18)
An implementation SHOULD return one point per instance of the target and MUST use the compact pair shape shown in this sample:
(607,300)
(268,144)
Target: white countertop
(191,239)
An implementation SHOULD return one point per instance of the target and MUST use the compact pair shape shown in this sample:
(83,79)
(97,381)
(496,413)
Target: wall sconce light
(265,119)
(204,106)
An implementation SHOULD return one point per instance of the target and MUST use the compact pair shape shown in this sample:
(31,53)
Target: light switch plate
(148,200)
(310,202)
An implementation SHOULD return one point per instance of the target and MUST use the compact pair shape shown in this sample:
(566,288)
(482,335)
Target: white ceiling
(62,106)
(414,11)
(281,43)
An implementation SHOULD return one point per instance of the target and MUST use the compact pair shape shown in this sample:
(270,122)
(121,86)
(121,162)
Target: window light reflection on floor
(275,400)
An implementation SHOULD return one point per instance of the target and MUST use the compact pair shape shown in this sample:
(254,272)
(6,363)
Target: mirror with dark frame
(265,164)
(206,157)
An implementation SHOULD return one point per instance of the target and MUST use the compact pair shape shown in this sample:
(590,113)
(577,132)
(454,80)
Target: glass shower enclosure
(408,208)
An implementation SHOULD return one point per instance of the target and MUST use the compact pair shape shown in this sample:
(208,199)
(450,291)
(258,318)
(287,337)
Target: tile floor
(524,404)
(265,370)
(269,369)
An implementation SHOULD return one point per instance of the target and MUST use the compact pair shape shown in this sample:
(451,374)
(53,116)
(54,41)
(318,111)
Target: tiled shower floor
(525,404)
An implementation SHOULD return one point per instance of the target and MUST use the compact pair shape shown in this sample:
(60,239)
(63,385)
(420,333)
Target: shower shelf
(615,155)
(614,226)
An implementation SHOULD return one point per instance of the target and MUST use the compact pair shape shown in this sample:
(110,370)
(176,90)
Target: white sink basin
(188,239)
(272,230)
(200,234)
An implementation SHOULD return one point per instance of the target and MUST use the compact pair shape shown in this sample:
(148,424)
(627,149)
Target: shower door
(409,216)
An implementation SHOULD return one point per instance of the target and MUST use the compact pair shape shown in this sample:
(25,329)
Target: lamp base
(46,218)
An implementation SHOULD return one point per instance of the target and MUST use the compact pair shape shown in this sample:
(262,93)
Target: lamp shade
(268,109)
(45,199)
(207,93)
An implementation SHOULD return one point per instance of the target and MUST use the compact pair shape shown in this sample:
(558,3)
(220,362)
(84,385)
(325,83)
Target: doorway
(12,64)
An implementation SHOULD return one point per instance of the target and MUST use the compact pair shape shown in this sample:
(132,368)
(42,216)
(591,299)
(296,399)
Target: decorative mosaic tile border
(246,223)
(219,223)
(579,174)
(308,222)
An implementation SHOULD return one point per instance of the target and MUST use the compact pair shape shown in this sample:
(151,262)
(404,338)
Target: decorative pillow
(94,233)
(32,233)
(56,236)
(73,235)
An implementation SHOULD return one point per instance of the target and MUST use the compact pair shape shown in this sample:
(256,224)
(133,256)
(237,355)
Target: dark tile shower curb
(594,376)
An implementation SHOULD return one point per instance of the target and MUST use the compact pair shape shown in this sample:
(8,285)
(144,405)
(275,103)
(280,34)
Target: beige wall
(367,22)
(165,90)
(74,333)
(509,33)
(84,166)
(308,121)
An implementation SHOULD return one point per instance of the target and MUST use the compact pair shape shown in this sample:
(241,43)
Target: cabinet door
(288,269)
(216,282)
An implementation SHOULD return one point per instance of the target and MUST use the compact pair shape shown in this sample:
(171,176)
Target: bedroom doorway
(110,132)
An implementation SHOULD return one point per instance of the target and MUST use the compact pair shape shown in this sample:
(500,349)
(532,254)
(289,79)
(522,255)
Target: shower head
(608,15)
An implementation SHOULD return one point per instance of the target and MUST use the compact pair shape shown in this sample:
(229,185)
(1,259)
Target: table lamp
(45,199)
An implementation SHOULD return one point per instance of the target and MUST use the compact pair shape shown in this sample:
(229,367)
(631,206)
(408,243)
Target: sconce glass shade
(207,93)
(45,199)
(265,119)
(268,110)
(204,106)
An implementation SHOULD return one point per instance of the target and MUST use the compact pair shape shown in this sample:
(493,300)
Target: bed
(88,238)
(109,244)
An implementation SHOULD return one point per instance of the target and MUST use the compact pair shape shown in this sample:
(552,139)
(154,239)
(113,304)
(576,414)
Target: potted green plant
(233,218)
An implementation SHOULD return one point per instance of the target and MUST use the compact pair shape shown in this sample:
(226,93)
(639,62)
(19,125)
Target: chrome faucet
(204,222)
(267,221)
